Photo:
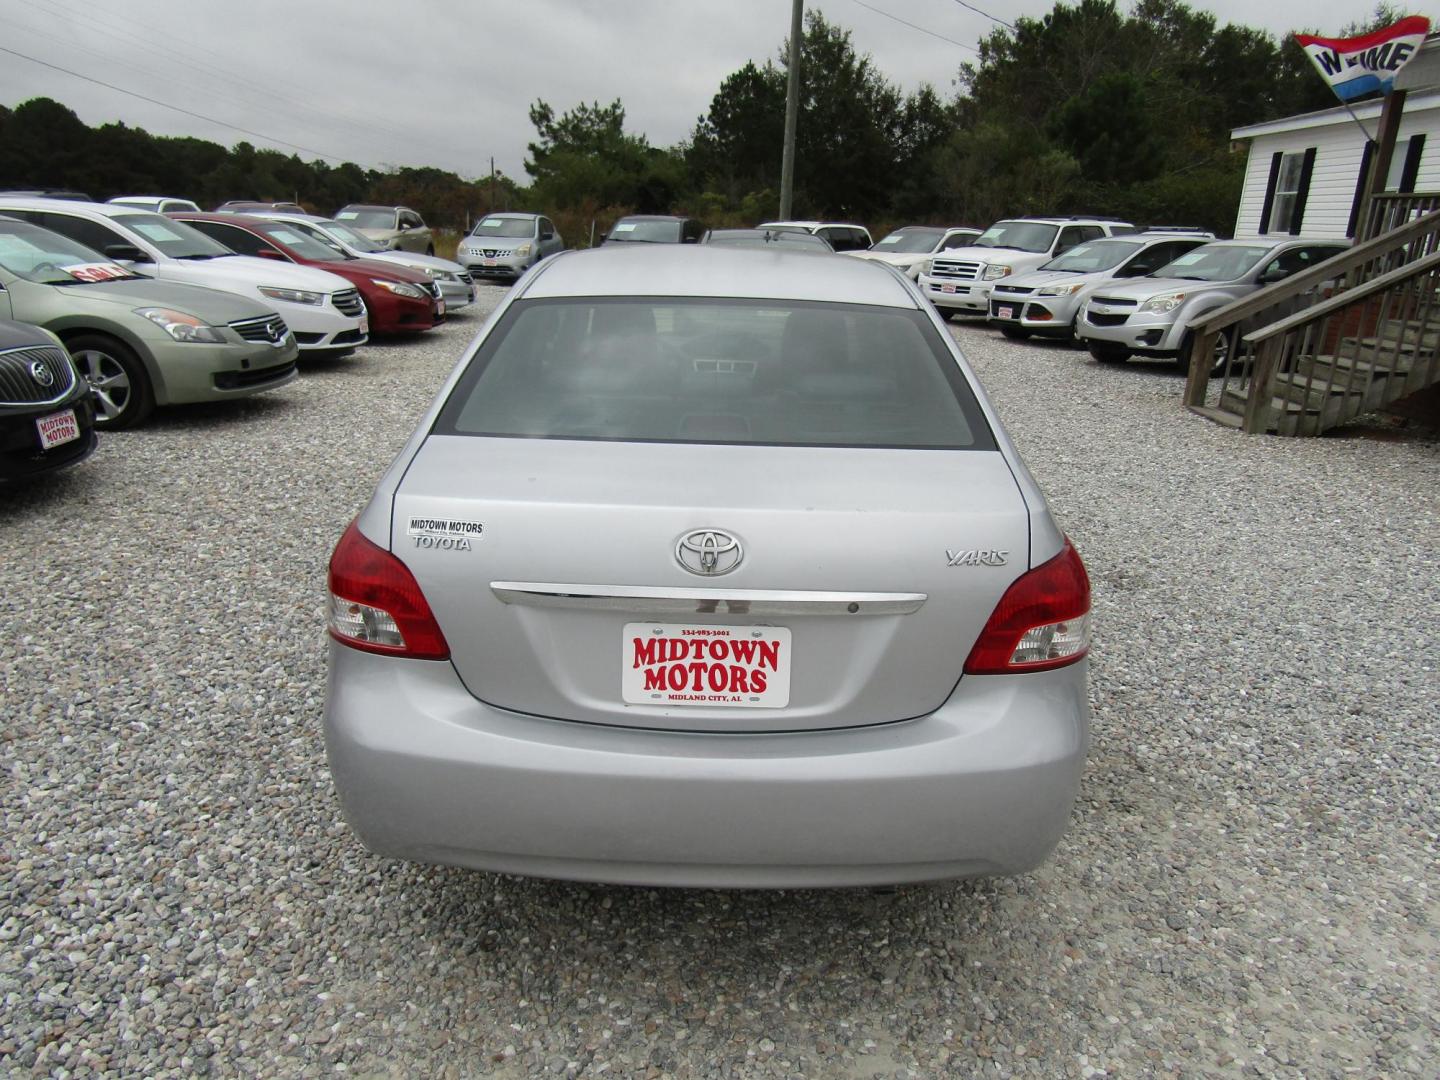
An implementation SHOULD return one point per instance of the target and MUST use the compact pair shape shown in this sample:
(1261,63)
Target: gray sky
(449,82)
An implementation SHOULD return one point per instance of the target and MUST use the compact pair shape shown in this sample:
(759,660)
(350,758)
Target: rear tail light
(376,604)
(1042,621)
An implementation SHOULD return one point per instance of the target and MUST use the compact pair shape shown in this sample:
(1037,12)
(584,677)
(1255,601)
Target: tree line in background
(1087,109)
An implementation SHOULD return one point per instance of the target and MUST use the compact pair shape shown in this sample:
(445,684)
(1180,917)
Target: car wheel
(1219,356)
(1014,333)
(118,380)
(1109,354)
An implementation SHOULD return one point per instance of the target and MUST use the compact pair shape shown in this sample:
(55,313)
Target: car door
(414,235)
(550,241)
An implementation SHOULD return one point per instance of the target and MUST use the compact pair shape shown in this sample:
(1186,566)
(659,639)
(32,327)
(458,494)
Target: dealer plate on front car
(741,667)
(57,428)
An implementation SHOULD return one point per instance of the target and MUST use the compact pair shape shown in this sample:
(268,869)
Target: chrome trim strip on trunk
(662,601)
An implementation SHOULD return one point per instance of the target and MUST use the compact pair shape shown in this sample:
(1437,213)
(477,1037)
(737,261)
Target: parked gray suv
(506,245)
(1152,316)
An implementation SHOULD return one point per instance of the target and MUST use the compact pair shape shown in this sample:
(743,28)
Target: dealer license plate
(365,325)
(58,428)
(947,288)
(492,262)
(736,667)
(440,305)
(1004,312)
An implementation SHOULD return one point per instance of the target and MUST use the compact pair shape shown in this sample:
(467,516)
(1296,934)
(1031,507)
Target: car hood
(1144,288)
(248,272)
(415,262)
(1037,279)
(382,267)
(989,254)
(898,258)
(496,243)
(214,306)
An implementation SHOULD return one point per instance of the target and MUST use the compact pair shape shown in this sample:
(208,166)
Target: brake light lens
(1042,621)
(376,604)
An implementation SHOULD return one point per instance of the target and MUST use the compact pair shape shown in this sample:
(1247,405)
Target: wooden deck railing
(1389,211)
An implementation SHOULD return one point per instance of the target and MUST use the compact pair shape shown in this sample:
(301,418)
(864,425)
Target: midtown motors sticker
(744,667)
(448,534)
(1362,65)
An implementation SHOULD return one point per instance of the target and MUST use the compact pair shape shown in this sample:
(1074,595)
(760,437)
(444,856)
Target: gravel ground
(1247,889)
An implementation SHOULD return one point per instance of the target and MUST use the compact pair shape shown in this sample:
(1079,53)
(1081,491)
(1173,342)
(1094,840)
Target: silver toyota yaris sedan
(710,567)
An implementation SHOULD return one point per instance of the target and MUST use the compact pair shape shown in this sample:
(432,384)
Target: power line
(176,108)
(978,11)
(912,26)
(213,71)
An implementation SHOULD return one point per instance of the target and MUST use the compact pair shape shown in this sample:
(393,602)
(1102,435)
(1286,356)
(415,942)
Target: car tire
(119,383)
(1014,333)
(1220,358)
(1108,354)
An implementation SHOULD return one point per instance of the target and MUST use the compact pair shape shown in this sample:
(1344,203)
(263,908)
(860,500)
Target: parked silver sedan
(709,566)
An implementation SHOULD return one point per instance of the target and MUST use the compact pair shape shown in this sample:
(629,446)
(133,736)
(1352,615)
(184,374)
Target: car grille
(270,329)
(345,337)
(348,302)
(953,268)
(1014,290)
(23,375)
(466,278)
(239,380)
(1100,318)
(1114,301)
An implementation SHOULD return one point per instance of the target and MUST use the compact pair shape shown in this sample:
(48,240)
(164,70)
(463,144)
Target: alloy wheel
(109,382)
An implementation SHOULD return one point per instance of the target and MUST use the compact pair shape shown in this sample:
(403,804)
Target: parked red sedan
(399,299)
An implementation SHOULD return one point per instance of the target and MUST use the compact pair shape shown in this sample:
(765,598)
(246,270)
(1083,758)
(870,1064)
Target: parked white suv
(959,282)
(324,311)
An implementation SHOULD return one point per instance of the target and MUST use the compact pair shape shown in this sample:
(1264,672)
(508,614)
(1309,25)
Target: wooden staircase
(1374,339)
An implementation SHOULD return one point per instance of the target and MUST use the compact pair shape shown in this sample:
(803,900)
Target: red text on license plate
(738,667)
(57,428)
(1005,312)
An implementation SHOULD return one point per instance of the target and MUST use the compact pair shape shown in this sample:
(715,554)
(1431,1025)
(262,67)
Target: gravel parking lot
(1248,887)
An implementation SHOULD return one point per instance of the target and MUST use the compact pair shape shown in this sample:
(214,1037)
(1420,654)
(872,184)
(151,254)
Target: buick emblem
(41,374)
(709,552)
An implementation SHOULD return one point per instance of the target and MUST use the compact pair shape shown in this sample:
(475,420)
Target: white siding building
(1304,172)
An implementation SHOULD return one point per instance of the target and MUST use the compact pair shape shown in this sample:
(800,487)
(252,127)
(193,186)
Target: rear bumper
(982,786)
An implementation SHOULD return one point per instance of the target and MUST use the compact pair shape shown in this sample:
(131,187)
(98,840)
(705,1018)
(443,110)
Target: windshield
(347,235)
(367,219)
(1213,263)
(911,241)
(48,258)
(172,238)
(1096,255)
(1020,235)
(307,247)
(502,226)
(753,372)
(646,232)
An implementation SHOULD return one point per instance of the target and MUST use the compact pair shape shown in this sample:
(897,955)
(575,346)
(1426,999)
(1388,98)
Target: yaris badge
(708,552)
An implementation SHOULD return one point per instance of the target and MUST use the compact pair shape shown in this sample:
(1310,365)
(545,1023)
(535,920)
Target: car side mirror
(1270,277)
(271,253)
(404,225)
(126,253)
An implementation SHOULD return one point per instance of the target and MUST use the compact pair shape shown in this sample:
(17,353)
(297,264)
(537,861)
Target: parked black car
(655,229)
(47,416)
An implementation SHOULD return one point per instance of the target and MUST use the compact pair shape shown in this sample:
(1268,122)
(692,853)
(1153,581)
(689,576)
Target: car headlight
(292,296)
(523,251)
(437,274)
(1060,290)
(182,326)
(402,288)
(996,270)
(1164,303)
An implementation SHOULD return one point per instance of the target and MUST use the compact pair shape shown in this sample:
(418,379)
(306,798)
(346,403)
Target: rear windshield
(717,371)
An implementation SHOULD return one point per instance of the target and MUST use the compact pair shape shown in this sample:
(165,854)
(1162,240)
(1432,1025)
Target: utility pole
(792,112)
(493,206)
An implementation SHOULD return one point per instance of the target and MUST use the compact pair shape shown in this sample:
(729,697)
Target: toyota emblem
(709,552)
(42,373)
